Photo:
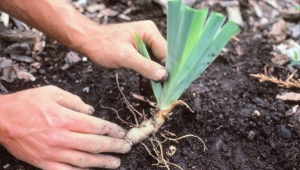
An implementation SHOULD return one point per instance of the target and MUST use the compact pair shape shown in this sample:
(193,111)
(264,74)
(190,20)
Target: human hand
(52,129)
(114,46)
(111,46)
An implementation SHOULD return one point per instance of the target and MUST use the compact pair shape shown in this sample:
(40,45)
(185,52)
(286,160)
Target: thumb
(146,67)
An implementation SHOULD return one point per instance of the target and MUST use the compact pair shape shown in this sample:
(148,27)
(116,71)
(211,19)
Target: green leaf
(156,87)
(296,55)
(293,63)
(195,39)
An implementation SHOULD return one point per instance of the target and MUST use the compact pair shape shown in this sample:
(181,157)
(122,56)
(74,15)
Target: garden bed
(239,118)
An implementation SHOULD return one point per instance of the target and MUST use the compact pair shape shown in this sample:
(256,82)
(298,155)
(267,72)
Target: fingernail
(91,109)
(161,75)
(121,134)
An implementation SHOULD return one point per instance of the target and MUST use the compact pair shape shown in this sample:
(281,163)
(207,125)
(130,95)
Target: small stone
(36,65)
(104,114)
(6,166)
(292,110)
(86,90)
(171,151)
(84,59)
(42,71)
(295,31)
(251,135)
(284,132)
(259,102)
(256,113)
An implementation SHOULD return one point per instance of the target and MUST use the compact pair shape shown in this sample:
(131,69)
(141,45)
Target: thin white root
(186,136)
(178,102)
(129,106)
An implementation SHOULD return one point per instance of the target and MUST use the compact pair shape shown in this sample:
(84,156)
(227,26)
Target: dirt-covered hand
(52,129)
(114,46)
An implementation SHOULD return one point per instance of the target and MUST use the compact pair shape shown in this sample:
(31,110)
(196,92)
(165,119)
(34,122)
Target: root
(186,136)
(178,102)
(151,126)
(129,106)
(117,113)
(159,155)
(144,99)
(157,151)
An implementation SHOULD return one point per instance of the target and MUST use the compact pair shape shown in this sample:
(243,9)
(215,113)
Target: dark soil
(224,98)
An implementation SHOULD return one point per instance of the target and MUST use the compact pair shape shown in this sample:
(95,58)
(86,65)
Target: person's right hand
(52,129)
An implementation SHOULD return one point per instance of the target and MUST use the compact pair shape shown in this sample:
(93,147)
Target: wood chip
(4,18)
(8,74)
(280,59)
(22,58)
(234,14)
(70,59)
(4,62)
(21,74)
(95,7)
(39,43)
(3,90)
(279,31)
(290,14)
(17,36)
(291,96)
(256,8)
(109,12)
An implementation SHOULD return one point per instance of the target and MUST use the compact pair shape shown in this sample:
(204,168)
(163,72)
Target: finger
(73,102)
(85,160)
(77,122)
(59,166)
(92,143)
(153,39)
(145,67)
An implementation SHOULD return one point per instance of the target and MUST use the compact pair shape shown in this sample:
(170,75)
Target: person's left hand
(52,129)
(114,46)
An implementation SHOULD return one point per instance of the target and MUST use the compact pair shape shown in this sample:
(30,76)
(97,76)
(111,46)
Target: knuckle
(147,65)
(55,117)
(150,23)
(60,98)
(98,148)
(54,139)
(152,29)
(77,98)
(51,87)
(48,154)
(83,162)
(125,55)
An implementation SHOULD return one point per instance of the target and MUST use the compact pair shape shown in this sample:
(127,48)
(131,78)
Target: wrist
(5,116)
(61,21)
(2,119)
